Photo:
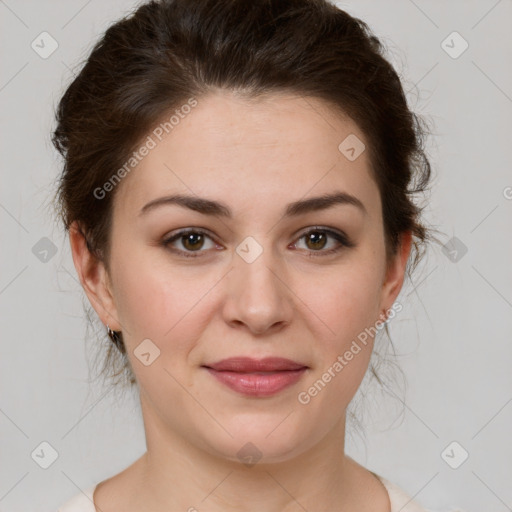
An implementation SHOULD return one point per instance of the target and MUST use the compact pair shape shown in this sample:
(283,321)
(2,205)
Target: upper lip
(248,364)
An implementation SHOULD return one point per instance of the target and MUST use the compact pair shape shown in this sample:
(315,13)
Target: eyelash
(340,237)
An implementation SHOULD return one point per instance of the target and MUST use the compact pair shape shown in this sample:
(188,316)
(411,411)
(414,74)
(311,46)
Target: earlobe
(93,278)
(395,273)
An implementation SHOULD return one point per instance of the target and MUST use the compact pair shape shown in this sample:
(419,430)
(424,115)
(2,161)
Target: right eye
(191,239)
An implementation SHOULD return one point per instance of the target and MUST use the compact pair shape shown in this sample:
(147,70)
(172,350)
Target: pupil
(317,237)
(189,241)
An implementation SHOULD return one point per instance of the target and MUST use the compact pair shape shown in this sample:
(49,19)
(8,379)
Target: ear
(395,272)
(94,279)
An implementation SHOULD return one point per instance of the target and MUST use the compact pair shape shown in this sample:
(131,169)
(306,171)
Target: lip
(250,365)
(257,377)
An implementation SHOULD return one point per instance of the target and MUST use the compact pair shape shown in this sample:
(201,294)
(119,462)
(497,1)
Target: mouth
(251,365)
(257,378)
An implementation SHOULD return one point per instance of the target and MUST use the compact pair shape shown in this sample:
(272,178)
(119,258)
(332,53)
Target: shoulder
(82,502)
(401,501)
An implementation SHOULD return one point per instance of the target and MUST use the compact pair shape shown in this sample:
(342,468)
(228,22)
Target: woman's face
(261,274)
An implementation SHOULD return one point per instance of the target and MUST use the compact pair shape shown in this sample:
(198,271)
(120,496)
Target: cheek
(161,303)
(348,309)
(346,302)
(143,300)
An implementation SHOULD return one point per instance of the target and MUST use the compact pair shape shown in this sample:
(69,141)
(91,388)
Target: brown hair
(152,61)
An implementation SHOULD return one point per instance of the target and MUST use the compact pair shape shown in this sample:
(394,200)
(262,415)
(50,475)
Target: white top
(400,501)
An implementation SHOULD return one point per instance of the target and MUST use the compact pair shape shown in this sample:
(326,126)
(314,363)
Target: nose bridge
(257,296)
(255,264)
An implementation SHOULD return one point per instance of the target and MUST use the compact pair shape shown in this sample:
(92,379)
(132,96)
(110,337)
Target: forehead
(254,151)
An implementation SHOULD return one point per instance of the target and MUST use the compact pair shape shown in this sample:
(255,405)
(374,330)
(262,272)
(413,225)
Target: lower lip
(258,384)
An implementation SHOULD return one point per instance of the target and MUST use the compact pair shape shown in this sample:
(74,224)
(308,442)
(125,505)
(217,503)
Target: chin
(258,443)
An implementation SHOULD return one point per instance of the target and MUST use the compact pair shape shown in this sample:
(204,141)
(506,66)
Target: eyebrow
(217,209)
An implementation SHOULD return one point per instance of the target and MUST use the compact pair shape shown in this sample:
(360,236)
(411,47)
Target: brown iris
(193,241)
(317,238)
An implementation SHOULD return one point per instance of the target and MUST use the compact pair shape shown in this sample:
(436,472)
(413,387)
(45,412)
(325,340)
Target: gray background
(453,335)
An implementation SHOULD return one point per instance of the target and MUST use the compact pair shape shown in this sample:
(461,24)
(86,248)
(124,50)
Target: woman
(237,190)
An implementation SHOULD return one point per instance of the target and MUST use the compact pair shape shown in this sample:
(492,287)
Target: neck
(178,475)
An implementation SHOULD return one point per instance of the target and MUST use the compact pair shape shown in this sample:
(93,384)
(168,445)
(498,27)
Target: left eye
(316,241)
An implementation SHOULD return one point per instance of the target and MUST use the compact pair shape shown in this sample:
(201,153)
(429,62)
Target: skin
(255,157)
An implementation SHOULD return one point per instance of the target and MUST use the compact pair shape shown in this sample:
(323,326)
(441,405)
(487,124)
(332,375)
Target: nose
(257,295)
